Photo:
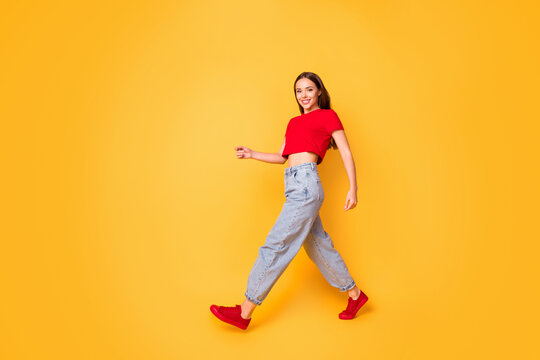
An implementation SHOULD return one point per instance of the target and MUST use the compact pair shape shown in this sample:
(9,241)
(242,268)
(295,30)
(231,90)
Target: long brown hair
(324,98)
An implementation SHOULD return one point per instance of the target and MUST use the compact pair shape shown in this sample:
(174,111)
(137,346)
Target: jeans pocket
(315,185)
(297,178)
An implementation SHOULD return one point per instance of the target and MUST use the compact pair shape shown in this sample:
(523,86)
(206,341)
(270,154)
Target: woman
(307,138)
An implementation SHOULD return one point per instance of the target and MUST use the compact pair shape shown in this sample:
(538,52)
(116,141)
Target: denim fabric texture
(298,224)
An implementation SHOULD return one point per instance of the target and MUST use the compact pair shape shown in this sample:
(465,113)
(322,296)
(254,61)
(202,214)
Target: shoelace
(229,309)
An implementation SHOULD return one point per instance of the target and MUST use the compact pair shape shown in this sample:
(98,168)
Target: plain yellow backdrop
(126,214)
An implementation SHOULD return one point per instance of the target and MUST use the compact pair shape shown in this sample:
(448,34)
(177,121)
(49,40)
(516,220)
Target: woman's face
(307,94)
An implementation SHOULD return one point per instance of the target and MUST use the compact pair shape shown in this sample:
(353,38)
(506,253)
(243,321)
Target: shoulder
(295,117)
(330,113)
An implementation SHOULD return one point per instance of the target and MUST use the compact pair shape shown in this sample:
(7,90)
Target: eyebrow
(307,87)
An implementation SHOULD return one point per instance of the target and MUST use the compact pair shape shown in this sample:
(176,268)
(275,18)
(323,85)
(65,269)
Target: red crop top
(311,132)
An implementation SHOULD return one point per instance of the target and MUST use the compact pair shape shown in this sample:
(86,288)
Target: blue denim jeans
(298,224)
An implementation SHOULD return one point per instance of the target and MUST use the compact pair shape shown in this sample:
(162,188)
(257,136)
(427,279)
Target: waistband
(309,165)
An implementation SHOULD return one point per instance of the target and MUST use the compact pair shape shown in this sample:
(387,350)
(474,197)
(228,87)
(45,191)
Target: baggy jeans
(298,224)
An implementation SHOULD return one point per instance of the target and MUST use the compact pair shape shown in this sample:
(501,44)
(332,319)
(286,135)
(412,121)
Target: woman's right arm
(243,152)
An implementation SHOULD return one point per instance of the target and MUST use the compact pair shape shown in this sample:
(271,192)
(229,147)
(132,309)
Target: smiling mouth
(305,101)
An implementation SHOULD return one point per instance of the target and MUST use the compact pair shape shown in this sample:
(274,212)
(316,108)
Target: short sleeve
(287,128)
(333,122)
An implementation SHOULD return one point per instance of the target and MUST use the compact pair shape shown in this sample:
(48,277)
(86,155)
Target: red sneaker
(230,315)
(353,306)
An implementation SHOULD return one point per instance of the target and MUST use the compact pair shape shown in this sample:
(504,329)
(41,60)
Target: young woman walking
(307,138)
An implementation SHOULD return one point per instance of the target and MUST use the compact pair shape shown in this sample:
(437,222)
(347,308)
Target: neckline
(311,112)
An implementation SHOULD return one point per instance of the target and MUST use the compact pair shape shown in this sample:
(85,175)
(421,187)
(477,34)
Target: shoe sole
(214,310)
(349,317)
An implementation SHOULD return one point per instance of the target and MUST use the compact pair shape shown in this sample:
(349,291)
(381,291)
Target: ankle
(246,313)
(354,293)
(247,308)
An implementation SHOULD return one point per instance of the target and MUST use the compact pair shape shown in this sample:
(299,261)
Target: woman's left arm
(348,162)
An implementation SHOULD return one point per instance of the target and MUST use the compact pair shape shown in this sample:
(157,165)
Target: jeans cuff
(252,299)
(348,287)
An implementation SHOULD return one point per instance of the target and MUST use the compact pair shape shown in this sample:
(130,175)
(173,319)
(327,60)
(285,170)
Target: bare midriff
(302,157)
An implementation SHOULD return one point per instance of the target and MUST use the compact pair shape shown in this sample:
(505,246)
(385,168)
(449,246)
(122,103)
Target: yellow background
(125,212)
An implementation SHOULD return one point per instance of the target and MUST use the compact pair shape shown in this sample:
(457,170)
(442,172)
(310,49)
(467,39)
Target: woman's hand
(350,201)
(243,152)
